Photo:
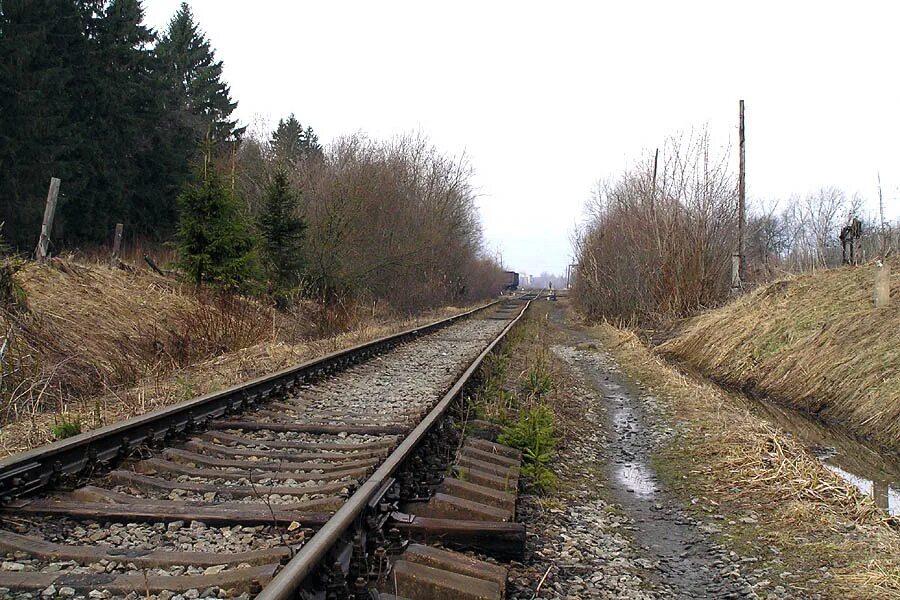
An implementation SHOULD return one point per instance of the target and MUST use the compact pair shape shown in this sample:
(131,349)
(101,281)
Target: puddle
(871,472)
(638,479)
(631,470)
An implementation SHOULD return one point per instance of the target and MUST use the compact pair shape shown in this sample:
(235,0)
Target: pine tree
(197,92)
(214,240)
(291,143)
(282,234)
(43,53)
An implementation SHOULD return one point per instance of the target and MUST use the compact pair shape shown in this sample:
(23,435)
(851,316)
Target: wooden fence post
(736,283)
(882,284)
(117,243)
(43,245)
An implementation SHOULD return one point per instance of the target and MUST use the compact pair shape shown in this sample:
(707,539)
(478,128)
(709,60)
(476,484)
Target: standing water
(873,473)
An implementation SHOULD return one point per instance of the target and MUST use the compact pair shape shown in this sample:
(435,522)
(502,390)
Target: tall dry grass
(287,346)
(90,328)
(814,342)
(97,344)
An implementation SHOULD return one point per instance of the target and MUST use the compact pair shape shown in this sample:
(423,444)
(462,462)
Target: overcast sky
(547,98)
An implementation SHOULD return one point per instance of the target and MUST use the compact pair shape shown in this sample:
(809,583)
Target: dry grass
(814,342)
(99,345)
(90,328)
(725,453)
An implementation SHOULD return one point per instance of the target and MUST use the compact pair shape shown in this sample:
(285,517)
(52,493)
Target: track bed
(215,514)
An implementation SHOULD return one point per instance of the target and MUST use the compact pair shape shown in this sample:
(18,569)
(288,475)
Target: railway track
(308,483)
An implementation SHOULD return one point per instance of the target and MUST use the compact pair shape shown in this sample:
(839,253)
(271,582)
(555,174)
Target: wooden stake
(153,266)
(43,245)
(882,284)
(742,196)
(117,243)
(735,273)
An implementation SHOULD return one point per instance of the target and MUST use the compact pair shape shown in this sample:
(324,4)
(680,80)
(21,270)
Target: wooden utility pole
(117,243)
(742,198)
(653,191)
(43,245)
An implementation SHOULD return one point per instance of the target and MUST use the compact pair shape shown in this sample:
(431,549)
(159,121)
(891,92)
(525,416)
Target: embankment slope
(814,342)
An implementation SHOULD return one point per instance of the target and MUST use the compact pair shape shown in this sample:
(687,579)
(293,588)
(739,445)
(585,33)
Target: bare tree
(650,250)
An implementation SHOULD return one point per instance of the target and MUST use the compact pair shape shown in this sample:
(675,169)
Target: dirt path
(617,531)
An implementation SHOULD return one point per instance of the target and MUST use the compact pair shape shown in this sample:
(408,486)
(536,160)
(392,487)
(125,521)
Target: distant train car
(511,280)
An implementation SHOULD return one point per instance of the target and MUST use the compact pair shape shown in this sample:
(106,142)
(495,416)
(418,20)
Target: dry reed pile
(814,342)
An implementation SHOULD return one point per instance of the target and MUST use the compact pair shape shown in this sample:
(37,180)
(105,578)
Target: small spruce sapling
(282,234)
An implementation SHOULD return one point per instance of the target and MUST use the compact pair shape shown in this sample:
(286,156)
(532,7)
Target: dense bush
(663,247)
(390,221)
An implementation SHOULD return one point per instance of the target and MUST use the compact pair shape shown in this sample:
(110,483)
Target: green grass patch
(65,428)
(534,433)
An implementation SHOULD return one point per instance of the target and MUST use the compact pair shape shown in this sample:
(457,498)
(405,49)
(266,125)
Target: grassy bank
(97,345)
(778,502)
(814,342)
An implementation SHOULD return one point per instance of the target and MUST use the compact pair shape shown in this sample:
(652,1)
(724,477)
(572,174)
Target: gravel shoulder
(613,530)
(671,488)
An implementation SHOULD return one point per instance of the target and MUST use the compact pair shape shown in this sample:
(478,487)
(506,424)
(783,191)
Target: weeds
(65,428)
(493,401)
(534,434)
(513,397)
(12,294)
(538,381)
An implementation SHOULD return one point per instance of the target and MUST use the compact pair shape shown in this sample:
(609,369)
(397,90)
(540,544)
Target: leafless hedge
(660,248)
(390,221)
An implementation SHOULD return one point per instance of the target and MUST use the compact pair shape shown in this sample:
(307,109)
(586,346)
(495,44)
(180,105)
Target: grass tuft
(66,429)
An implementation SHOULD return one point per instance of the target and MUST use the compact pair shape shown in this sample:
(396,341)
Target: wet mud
(687,561)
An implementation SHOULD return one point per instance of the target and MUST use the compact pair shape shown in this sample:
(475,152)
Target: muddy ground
(614,529)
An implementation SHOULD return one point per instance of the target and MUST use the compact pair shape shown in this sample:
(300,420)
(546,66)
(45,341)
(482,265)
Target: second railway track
(214,498)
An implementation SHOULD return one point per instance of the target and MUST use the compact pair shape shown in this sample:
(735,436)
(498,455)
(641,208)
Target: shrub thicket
(390,221)
(662,247)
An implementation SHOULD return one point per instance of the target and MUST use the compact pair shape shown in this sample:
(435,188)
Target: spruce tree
(292,143)
(43,54)
(214,240)
(198,93)
(122,160)
(282,234)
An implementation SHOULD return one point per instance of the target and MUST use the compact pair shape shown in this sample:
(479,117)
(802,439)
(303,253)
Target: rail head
(28,472)
(286,584)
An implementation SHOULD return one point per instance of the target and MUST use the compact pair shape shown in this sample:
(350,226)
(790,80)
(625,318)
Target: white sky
(546,98)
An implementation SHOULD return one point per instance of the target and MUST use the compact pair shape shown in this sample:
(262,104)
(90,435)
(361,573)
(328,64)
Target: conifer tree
(291,143)
(198,93)
(121,161)
(282,234)
(43,53)
(214,240)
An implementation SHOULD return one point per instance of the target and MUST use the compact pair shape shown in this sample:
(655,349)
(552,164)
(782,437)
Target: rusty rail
(25,473)
(289,580)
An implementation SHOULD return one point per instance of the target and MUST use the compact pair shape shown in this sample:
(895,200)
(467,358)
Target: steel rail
(286,584)
(27,472)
